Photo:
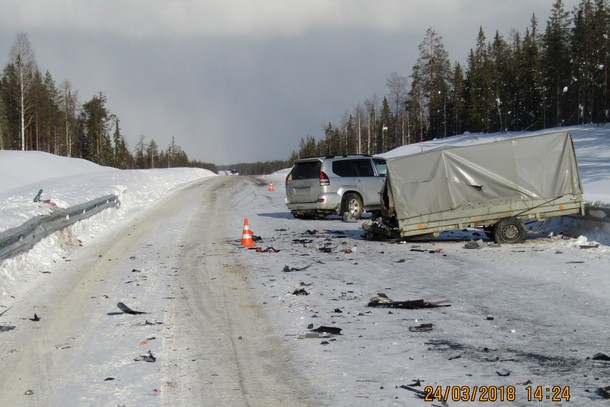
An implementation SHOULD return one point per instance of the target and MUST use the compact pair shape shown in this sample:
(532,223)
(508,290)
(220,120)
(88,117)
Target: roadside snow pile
(67,182)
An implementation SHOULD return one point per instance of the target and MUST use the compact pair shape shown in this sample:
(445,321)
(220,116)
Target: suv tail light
(324,181)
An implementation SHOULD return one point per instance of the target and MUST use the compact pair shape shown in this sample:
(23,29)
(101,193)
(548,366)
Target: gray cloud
(241,80)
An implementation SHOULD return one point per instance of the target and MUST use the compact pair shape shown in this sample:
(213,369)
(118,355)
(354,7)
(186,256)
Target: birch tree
(22,58)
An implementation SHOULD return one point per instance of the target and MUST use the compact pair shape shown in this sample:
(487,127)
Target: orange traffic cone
(271,187)
(246,237)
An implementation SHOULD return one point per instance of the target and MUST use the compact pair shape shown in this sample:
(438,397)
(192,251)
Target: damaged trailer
(494,186)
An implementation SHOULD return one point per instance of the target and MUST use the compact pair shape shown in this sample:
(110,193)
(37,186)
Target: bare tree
(22,58)
(69,99)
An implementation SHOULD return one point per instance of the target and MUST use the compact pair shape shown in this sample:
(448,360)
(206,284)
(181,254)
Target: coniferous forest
(38,114)
(552,74)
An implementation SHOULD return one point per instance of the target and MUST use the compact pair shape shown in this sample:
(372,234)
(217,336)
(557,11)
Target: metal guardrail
(24,237)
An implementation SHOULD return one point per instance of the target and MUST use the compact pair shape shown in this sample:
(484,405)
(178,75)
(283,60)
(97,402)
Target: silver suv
(345,185)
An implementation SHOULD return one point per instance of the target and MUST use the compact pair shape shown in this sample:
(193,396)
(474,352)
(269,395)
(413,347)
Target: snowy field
(499,329)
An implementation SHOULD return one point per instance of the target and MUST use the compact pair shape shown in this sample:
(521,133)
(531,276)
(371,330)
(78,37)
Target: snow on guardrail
(25,236)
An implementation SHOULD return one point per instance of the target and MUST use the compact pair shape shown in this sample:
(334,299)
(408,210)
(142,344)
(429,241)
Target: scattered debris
(287,269)
(503,373)
(601,356)
(147,323)
(300,291)
(36,318)
(38,199)
(128,310)
(268,249)
(5,328)
(382,300)
(62,346)
(475,244)
(108,379)
(3,312)
(420,393)
(302,241)
(309,335)
(146,358)
(421,328)
(328,329)
(604,392)
(29,392)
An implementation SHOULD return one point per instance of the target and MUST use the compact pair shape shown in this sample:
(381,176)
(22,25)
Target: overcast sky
(244,80)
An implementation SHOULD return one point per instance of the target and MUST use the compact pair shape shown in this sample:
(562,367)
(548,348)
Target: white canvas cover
(528,169)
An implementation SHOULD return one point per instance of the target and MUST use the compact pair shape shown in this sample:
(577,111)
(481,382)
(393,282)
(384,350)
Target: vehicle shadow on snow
(276,215)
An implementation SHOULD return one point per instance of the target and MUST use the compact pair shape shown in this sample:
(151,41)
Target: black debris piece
(128,310)
(302,241)
(382,300)
(300,291)
(421,328)
(287,269)
(146,358)
(36,318)
(268,249)
(604,392)
(503,373)
(601,356)
(326,249)
(328,329)
(5,328)
(108,379)
(420,393)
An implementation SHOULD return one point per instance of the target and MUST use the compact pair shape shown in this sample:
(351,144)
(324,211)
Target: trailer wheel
(352,204)
(509,230)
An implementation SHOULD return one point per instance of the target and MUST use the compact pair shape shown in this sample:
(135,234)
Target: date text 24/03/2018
(495,393)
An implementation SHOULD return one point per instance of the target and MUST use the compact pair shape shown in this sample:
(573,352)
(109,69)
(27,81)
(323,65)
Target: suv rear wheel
(352,204)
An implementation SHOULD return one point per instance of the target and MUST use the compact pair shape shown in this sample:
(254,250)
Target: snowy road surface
(231,326)
(204,327)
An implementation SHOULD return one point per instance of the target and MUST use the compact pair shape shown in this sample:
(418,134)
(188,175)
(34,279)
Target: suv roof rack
(347,155)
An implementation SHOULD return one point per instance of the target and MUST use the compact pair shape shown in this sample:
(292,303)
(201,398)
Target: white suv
(345,185)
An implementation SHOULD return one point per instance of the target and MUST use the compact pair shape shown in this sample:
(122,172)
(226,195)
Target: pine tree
(430,86)
(556,63)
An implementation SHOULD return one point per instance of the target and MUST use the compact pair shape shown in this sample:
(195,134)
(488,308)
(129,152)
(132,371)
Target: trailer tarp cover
(521,168)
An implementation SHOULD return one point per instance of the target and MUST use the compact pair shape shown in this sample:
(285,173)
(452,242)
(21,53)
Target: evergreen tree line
(530,81)
(36,114)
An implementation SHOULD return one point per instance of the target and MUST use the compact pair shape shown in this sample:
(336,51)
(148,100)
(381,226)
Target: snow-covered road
(232,326)
(202,325)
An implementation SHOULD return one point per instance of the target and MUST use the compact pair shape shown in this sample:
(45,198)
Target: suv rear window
(343,168)
(306,170)
(363,168)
